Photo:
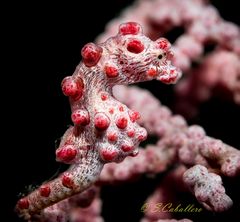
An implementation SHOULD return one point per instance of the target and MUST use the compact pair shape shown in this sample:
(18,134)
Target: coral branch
(208,189)
(191,143)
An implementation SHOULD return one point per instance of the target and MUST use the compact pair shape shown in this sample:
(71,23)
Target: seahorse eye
(160,56)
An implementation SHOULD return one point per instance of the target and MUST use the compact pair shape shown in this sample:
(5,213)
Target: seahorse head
(131,57)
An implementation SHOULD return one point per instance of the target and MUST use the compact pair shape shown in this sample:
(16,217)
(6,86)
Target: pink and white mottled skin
(104,130)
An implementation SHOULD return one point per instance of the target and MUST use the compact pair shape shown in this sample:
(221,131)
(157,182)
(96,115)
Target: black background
(43,45)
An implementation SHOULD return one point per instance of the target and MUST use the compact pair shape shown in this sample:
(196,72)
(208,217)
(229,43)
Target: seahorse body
(104,130)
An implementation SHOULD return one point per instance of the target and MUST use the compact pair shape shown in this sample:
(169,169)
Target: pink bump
(101,121)
(73,88)
(91,54)
(127,147)
(67,181)
(111,71)
(111,110)
(108,154)
(23,203)
(121,122)
(135,46)
(121,109)
(112,136)
(45,191)
(152,72)
(131,133)
(66,153)
(104,96)
(163,44)
(80,117)
(130,28)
